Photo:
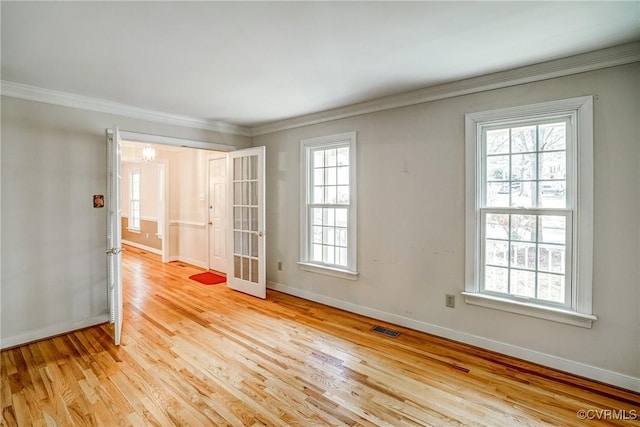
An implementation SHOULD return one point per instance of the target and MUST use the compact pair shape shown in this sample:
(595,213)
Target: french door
(246,258)
(114,233)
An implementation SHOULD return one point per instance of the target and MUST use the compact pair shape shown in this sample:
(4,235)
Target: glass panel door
(246,272)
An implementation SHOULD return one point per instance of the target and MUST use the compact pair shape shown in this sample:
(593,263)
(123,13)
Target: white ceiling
(250,63)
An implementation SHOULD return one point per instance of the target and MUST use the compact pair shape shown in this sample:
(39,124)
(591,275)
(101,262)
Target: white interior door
(114,233)
(246,255)
(218,214)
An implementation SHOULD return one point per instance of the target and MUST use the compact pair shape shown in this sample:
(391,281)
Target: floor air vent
(384,331)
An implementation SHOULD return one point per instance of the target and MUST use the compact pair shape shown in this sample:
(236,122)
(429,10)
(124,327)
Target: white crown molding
(591,61)
(48,96)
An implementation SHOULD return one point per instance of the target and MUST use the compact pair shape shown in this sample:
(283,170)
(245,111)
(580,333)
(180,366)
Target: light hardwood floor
(205,355)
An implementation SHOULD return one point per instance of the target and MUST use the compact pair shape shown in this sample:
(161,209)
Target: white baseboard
(53,330)
(570,366)
(187,260)
(143,247)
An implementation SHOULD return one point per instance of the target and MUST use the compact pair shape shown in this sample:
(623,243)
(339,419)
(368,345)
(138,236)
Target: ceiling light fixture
(148,153)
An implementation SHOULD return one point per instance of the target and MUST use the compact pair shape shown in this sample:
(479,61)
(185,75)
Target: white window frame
(578,310)
(132,201)
(306,148)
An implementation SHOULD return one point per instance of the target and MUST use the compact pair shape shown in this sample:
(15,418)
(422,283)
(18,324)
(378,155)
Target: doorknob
(210,223)
(114,251)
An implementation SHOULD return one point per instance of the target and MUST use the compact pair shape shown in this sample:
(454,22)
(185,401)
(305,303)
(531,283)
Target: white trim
(65,99)
(533,310)
(582,232)
(591,61)
(53,330)
(143,247)
(326,142)
(329,271)
(134,230)
(148,219)
(189,224)
(172,141)
(565,365)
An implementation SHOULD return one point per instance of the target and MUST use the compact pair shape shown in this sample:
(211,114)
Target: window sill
(329,271)
(134,230)
(529,309)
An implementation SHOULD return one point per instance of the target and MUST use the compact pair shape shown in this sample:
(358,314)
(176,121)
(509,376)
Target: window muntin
(525,213)
(328,231)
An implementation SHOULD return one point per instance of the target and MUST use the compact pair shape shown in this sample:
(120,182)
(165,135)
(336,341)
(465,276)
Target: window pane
(343,175)
(497,168)
(316,253)
(343,156)
(496,279)
(237,169)
(553,165)
(318,195)
(328,235)
(497,253)
(523,167)
(253,167)
(552,229)
(237,193)
(552,136)
(341,217)
(328,216)
(330,157)
(497,195)
(497,141)
(317,234)
(318,177)
(523,194)
(523,139)
(523,283)
(551,258)
(497,226)
(237,218)
(330,195)
(343,195)
(523,228)
(316,216)
(552,194)
(328,254)
(551,287)
(523,255)
(341,237)
(341,256)
(318,158)
(245,168)
(330,176)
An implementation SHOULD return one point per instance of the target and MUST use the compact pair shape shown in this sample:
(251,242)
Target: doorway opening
(168,205)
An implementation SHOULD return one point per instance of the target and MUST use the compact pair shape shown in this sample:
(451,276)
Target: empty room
(320,213)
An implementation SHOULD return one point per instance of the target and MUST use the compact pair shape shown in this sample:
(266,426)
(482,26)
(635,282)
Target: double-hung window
(328,215)
(529,210)
(134,201)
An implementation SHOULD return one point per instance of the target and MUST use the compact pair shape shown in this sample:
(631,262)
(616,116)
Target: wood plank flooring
(195,355)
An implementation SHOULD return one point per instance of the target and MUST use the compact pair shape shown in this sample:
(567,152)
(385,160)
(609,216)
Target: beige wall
(147,236)
(411,224)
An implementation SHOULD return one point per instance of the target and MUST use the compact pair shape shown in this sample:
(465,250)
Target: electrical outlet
(279,265)
(450,300)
